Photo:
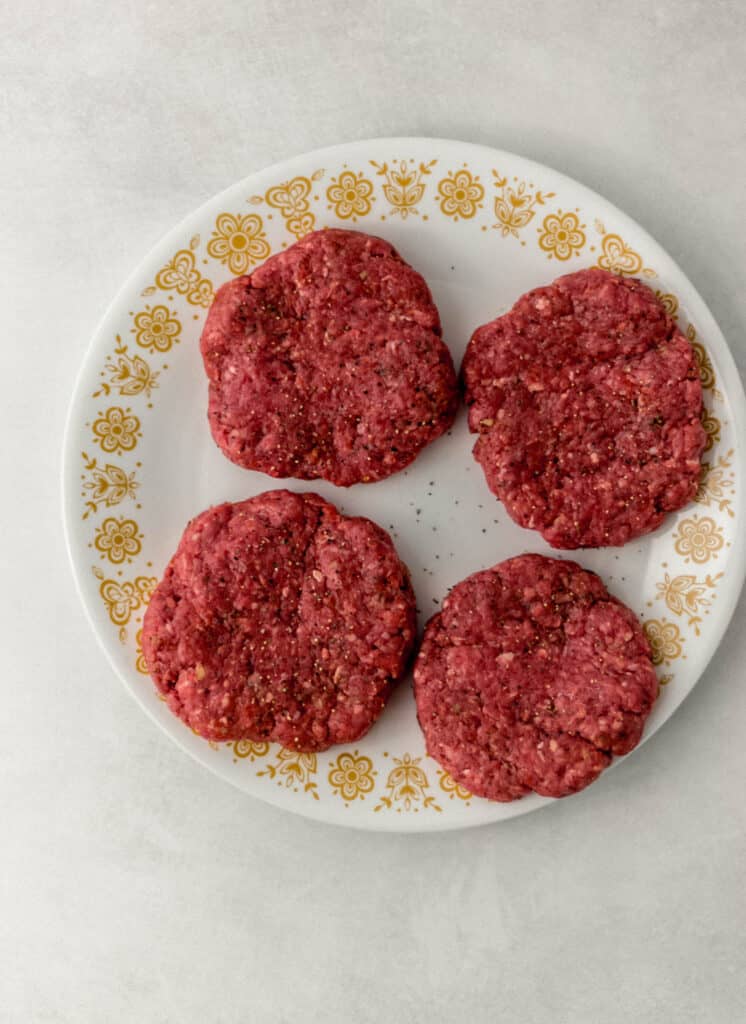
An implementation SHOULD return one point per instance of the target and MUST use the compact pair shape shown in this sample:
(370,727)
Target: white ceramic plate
(483,226)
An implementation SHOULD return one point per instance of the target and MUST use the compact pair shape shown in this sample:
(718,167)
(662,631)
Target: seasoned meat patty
(586,398)
(328,362)
(280,619)
(531,678)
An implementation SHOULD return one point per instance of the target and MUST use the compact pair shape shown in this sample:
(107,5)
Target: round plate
(483,226)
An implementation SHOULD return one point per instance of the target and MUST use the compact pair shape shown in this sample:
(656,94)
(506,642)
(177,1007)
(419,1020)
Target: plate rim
(707,325)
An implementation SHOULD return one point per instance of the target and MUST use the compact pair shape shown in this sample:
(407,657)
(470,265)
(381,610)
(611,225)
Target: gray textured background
(136,886)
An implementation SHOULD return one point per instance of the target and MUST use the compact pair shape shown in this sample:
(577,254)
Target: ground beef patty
(586,398)
(328,362)
(530,678)
(280,619)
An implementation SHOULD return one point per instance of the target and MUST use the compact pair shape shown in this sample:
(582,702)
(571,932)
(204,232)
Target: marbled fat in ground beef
(327,361)
(587,399)
(531,678)
(280,619)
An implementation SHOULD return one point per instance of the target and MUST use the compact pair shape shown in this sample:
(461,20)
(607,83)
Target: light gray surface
(135,885)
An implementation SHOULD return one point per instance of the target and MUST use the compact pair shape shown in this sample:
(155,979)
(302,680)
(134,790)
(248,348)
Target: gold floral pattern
(406,787)
(128,374)
(156,329)
(665,639)
(561,235)
(118,540)
(718,484)
(686,595)
(140,663)
(124,597)
(704,363)
(350,195)
(698,539)
(461,194)
(116,430)
(181,274)
(453,789)
(240,242)
(291,199)
(515,205)
(706,372)
(712,427)
(618,257)
(106,485)
(351,776)
(249,749)
(294,771)
(669,302)
(404,186)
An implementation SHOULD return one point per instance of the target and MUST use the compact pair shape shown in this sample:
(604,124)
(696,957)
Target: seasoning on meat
(328,362)
(587,400)
(280,619)
(531,678)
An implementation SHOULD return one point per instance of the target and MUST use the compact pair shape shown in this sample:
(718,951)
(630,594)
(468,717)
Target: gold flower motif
(454,789)
(155,329)
(351,776)
(717,485)
(116,430)
(294,770)
(181,274)
(118,539)
(561,235)
(665,640)
(406,786)
(618,257)
(704,363)
(108,485)
(698,539)
(712,427)
(461,195)
(669,302)
(250,749)
(686,595)
(291,199)
(404,186)
(140,663)
(515,205)
(124,598)
(238,241)
(350,195)
(129,375)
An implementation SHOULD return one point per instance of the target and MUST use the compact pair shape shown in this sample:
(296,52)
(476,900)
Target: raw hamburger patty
(530,678)
(586,398)
(328,362)
(280,619)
